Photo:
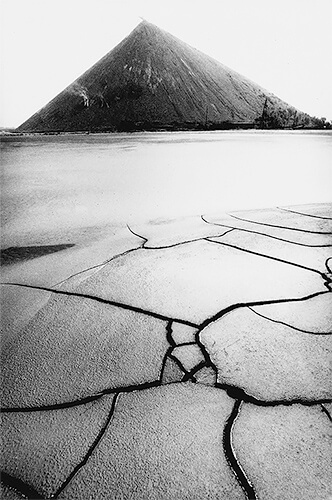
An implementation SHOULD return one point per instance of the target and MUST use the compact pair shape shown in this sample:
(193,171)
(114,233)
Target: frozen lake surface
(68,188)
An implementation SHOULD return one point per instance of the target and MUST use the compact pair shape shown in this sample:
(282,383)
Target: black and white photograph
(166,249)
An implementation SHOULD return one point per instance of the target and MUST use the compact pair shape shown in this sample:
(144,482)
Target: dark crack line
(233,392)
(82,401)
(264,234)
(230,453)
(185,344)
(19,486)
(56,406)
(323,275)
(178,362)
(163,364)
(238,393)
(305,215)
(138,235)
(91,449)
(105,301)
(168,353)
(289,326)
(169,332)
(107,261)
(201,238)
(279,227)
(165,247)
(190,375)
(104,263)
(228,309)
(326,411)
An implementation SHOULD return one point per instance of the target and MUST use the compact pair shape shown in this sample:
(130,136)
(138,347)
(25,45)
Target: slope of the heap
(153,80)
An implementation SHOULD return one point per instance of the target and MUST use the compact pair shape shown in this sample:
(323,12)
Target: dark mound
(152,80)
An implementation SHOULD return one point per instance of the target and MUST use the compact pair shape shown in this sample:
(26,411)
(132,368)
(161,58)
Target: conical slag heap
(152,80)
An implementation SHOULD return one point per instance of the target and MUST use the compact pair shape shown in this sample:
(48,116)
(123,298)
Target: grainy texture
(171,372)
(285,451)
(164,443)
(311,257)
(42,448)
(183,334)
(312,315)
(218,358)
(196,280)
(269,361)
(18,306)
(189,356)
(289,220)
(165,233)
(8,493)
(76,347)
(283,233)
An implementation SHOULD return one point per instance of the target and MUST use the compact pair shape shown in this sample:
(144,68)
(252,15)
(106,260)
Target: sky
(283,45)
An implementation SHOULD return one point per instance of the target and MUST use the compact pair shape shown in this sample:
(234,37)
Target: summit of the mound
(153,80)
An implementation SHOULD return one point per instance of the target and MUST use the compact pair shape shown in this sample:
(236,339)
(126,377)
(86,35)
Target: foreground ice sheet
(180,362)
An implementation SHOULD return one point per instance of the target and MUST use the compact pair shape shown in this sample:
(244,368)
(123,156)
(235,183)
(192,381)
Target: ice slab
(282,218)
(284,234)
(18,306)
(269,361)
(312,315)
(75,347)
(311,257)
(42,448)
(162,443)
(165,233)
(285,451)
(195,281)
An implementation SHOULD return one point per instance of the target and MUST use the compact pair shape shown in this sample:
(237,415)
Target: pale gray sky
(283,45)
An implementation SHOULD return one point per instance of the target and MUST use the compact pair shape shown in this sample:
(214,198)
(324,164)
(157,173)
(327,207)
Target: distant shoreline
(250,127)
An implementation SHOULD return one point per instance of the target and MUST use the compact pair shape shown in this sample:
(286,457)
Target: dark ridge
(263,234)
(105,301)
(277,226)
(289,326)
(230,454)
(323,275)
(91,450)
(20,486)
(12,255)
(305,215)
(152,81)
